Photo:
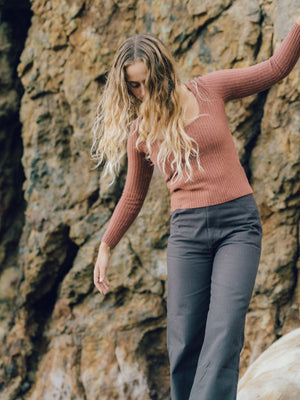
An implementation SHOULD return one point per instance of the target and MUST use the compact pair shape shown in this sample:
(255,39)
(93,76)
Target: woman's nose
(142,91)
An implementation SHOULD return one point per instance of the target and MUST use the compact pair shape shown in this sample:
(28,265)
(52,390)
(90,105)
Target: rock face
(275,375)
(61,338)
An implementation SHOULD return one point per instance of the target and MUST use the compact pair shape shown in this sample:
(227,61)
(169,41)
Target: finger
(97,282)
(104,291)
(103,288)
(103,279)
(104,283)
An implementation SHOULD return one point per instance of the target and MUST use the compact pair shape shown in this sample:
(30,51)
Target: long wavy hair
(160,114)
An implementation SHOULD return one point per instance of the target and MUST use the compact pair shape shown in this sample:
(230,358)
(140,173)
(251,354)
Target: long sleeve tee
(222,177)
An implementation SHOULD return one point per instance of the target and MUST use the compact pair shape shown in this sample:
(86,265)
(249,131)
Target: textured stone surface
(62,339)
(275,375)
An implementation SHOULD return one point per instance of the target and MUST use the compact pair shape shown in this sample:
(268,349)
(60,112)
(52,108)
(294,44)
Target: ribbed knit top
(222,178)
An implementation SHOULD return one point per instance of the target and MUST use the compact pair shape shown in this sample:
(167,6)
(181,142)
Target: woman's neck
(189,104)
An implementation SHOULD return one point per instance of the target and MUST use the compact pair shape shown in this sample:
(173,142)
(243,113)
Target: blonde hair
(160,113)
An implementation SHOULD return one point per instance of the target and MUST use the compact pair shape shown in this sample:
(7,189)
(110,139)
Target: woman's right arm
(139,174)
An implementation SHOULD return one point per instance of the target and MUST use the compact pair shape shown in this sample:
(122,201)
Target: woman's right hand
(100,278)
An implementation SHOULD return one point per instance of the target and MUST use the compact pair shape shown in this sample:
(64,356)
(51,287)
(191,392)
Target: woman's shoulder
(201,81)
(134,135)
(134,126)
(200,86)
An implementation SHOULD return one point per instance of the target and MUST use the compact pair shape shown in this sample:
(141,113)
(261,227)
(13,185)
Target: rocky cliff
(60,338)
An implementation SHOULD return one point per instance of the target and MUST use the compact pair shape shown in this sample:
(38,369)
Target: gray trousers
(213,255)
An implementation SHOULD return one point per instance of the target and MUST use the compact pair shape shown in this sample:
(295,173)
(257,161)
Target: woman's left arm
(241,82)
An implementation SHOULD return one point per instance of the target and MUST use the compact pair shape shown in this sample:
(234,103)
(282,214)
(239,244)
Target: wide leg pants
(213,255)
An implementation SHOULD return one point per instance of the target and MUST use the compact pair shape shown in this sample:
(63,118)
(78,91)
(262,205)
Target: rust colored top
(222,178)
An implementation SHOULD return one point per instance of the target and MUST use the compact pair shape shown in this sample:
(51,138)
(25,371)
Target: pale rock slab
(275,375)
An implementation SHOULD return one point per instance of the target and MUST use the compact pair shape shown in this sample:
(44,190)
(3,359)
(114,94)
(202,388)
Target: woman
(215,241)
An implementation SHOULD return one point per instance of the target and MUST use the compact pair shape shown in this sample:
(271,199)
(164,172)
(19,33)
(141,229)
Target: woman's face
(136,75)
